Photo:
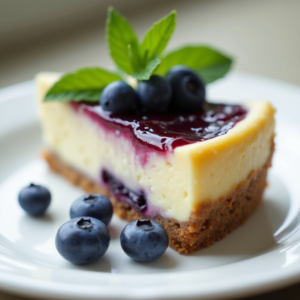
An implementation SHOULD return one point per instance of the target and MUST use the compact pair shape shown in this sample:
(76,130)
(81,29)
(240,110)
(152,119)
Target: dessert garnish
(188,88)
(34,199)
(143,64)
(92,205)
(119,97)
(82,240)
(155,94)
(144,240)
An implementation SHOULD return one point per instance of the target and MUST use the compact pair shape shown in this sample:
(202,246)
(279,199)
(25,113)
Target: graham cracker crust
(209,223)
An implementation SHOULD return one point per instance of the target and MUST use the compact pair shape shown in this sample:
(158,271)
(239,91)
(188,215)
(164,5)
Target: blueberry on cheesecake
(148,138)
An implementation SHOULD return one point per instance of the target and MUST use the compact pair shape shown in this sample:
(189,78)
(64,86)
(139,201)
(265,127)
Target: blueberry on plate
(188,90)
(82,240)
(144,240)
(34,199)
(155,94)
(118,97)
(92,205)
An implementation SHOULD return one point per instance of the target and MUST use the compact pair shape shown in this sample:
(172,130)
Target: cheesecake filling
(149,165)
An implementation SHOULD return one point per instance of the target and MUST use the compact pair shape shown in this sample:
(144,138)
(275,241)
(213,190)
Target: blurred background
(63,35)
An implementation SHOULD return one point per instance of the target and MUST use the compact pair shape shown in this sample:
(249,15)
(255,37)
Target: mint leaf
(83,85)
(134,58)
(157,37)
(209,63)
(215,72)
(145,73)
(119,35)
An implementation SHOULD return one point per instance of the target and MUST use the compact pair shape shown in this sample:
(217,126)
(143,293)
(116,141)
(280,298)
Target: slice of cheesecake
(199,174)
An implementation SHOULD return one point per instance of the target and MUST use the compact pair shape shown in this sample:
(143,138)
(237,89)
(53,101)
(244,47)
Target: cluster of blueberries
(85,238)
(180,89)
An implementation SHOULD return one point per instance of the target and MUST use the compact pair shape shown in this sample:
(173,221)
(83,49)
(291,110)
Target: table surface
(262,35)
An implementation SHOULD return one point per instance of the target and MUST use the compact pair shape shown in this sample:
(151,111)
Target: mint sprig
(139,60)
(120,36)
(209,63)
(149,69)
(83,85)
(157,37)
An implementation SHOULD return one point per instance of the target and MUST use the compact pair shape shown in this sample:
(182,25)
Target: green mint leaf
(119,35)
(215,72)
(134,58)
(209,63)
(157,37)
(83,85)
(145,73)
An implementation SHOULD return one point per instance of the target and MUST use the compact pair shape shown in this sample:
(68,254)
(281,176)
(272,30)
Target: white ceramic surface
(261,255)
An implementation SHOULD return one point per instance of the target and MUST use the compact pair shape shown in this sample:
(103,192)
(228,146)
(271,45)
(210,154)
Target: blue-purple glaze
(163,132)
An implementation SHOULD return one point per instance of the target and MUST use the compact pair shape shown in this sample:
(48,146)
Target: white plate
(261,255)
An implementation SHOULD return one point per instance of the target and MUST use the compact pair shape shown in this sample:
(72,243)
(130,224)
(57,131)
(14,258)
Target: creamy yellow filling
(175,183)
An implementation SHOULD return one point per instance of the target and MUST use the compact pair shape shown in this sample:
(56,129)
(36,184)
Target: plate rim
(30,288)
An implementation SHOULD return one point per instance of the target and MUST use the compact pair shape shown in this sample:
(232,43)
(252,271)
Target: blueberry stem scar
(85,223)
(90,198)
(145,224)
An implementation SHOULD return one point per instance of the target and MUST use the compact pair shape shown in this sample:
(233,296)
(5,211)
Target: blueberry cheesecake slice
(152,142)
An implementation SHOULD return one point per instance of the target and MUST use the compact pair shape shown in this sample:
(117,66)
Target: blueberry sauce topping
(166,131)
(122,193)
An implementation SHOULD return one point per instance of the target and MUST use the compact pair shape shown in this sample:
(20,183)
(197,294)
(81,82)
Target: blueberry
(118,97)
(187,87)
(82,240)
(144,240)
(155,94)
(93,205)
(34,199)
